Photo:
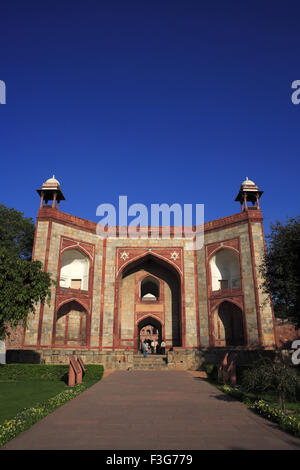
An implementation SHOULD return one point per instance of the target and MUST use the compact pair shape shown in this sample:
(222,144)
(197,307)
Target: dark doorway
(232,318)
(149,329)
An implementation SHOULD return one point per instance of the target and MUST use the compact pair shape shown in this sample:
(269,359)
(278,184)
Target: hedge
(288,423)
(24,372)
(215,375)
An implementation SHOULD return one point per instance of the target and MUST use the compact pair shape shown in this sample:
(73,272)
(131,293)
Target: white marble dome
(248,182)
(52,180)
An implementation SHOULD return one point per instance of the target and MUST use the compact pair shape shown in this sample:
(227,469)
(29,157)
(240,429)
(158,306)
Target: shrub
(276,375)
(287,423)
(234,392)
(213,373)
(93,373)
(210,370)
(241,369)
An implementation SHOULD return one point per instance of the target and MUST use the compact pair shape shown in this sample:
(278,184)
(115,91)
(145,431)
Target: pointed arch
(229,325)
(74,268)
(225,273)
(71,324)
(155,266)
(156,332)
(149,286)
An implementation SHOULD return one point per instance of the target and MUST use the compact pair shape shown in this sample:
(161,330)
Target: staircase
(151,362)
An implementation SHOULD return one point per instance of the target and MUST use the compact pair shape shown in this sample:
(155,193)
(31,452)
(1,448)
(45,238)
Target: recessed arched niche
(71,325)
(150,289)
(74,272)
(225,270)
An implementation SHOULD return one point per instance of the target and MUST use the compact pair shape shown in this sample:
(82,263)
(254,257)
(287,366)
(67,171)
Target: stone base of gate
(177,358)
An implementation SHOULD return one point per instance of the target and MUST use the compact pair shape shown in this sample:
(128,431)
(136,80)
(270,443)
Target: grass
(25,385)
(273,400)
(267,405)
(215,378)
(30,392)
(16,395)
(269,397)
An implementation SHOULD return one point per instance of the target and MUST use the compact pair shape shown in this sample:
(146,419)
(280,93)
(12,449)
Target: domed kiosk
(51,191)
(249,192)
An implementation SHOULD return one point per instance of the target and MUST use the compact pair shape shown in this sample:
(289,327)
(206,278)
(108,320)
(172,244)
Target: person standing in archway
(163,347)
(145,348)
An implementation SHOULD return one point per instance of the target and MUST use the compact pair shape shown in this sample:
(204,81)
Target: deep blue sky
(163,101)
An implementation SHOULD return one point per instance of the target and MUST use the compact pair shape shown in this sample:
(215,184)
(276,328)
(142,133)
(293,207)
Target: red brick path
(146,410)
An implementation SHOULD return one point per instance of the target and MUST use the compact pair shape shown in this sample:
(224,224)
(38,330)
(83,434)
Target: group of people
(153,347)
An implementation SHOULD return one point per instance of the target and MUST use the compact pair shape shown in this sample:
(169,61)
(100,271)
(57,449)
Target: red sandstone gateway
(113,291)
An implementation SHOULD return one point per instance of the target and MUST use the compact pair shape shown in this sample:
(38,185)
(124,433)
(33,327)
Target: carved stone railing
(216,294)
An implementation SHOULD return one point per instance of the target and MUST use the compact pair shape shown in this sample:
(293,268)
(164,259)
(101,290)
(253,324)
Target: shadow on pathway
(145,410)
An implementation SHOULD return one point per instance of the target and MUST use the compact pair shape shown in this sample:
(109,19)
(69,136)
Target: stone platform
(178,358)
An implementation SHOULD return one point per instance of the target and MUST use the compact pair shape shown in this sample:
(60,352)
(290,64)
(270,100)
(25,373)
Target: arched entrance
(230,325)
(148,287)
(149,329)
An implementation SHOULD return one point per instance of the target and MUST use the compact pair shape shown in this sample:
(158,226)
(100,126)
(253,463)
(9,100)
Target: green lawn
(17,395)
(26,385)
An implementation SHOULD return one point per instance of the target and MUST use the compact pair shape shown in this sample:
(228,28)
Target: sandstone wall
(111,314)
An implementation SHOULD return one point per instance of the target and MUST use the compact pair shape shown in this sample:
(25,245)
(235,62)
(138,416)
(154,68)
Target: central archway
(149,287)
(149,329)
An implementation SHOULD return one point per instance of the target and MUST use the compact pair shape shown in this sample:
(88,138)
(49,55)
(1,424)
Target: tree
(16,232)
(23,283)
(281,269)
(277,375)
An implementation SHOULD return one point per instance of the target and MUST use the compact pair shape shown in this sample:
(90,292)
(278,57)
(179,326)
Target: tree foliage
(277,375)
(23,283)
(16,232)
(281,269)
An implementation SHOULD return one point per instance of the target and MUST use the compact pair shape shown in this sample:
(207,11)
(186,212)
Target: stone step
(150,358)
(146,361)
(151,362)
(150,366)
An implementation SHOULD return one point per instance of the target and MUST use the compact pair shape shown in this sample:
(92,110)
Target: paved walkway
(148,410)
